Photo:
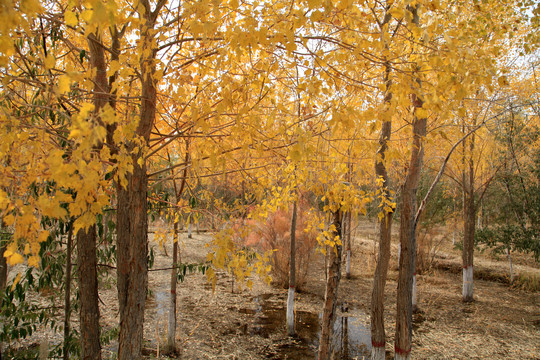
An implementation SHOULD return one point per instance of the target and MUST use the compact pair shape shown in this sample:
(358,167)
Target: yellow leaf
(70,18)
(16,281)
(50,61)
(14,259)
(9,219)
(43,236)
(33,261)
(64,84)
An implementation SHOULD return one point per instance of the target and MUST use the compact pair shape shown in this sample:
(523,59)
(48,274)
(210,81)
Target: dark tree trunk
(407,234)
(171,328)
(348,246)
(469,219)
(132,223)
(378,335)
(292,275)
(330,296)
(171,336)
(86,238)
(132,272)
(3,267)
(88,293)
(67,299)
(3,261)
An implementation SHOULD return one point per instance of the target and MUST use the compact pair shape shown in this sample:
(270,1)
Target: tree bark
(132,223)
(171,328)
(469,217)
(378,335)
(330,296)
(67,299)
(88,293)
(86,238)
(348,247)
(132,270)
(407,234)
(172,320)
(3,266)
(292,275)
(3,262)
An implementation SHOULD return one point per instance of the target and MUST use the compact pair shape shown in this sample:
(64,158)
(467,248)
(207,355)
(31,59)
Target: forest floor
(231,323)
(502,323)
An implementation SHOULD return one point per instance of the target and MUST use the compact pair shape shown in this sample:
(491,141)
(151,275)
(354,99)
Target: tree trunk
(468,245)
(292,275)
(86,238)
(3,262)
(67,299)
(189,232)
(3,266)
(132,236)
(407,233)
(378,335)
(414,298)
(171,334)
(348,246)
(171,328)
(509,254)
(88,293)
(132,271)
(330,296)
(469,217)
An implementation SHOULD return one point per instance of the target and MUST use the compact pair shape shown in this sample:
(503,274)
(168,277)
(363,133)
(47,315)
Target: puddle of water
(351,339)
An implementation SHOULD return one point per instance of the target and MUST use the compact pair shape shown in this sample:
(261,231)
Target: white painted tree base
(290,312)
(468,283)
(402,357)
(171,328)
(378,353)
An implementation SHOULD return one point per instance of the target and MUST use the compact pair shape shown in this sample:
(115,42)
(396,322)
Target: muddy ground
(503,322)
(242,324)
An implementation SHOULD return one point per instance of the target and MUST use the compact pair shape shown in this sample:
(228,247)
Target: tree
(330,295)
(378,336)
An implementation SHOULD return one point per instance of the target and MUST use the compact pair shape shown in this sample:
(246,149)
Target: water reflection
(351,339)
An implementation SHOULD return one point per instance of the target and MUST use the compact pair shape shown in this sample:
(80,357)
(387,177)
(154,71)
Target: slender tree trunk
(189,232)
(509,254)
(348,246)
(172,321)
(3,261)
(469,217)
(292,275)
(330,296)
(88,293)
(414,298)
(407,234)
(378,335)
(171,328)
(3,267)
(67,299)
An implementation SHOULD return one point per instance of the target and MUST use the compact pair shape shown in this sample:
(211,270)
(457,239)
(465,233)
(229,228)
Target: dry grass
(503,322)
